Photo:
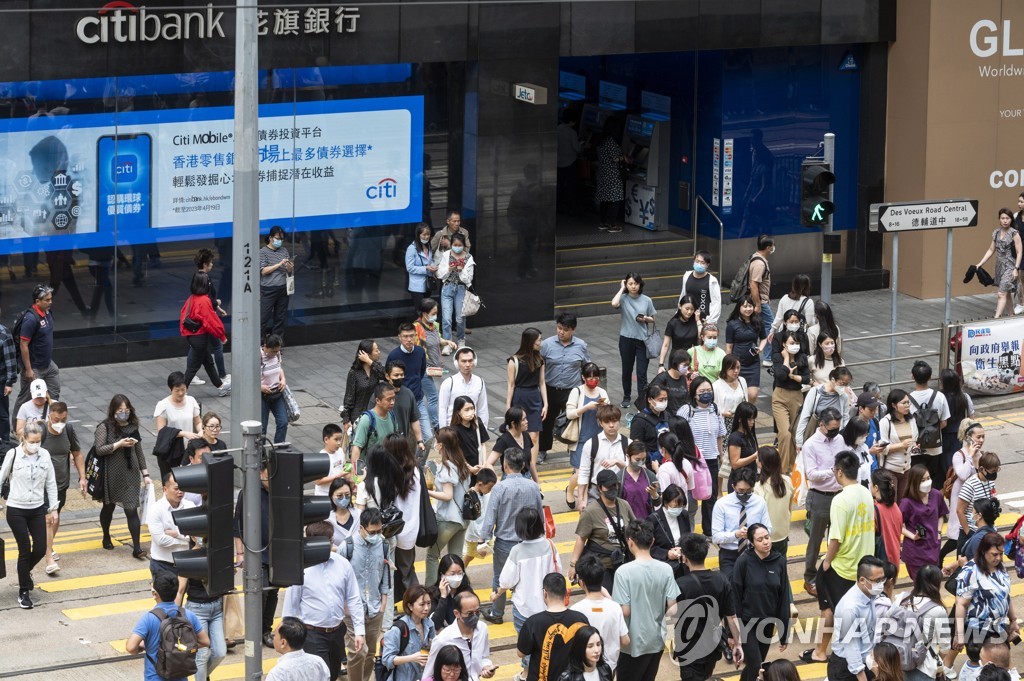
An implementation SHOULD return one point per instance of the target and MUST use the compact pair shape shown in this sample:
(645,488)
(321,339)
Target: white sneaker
(1017,309)
(446,350)
(225,390)
(949,672)
(227,381)
(197,381)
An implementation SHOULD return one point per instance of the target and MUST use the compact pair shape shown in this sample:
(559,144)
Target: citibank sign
(123,22)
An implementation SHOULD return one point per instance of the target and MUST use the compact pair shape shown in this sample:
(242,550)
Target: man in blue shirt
(854,631)
(564,355)
(733,514)
(415,360)
(35,347)
(146,634)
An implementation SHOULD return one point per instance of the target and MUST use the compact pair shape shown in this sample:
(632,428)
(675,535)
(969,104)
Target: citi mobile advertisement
(990,357)
(82,181)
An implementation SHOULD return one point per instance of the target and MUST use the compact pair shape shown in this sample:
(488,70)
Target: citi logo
(122,22)
(385,189)
(979,333)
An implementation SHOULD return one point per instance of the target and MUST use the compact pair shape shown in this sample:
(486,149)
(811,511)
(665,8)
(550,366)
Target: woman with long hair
(418,265)
(898,429)
(1006,245)
(428,337)
(345,518)
(923,508)
(681,331)
(472,433)
(983,603)
(888,516)
(117,440)
(586,657)
(776,489)
(855,435)
(798,299)
(455,269)
(671,523)
(833,393)
(826,357)
(887,664)
(824,322)
(609,191)
(582,406)
(965,464)
(525,386)
(363,376)
(407,662)
(961,407)
(452,579)
(451,484)
(742,442)
(689,460)
(675,469)
(745,338)
(709,435)
(200,324)
(926,600)
(730,389)
(272,385)
(791,372)
(512,434)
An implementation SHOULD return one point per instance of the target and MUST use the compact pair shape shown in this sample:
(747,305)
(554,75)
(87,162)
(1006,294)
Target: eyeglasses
(451,669)
(213,426)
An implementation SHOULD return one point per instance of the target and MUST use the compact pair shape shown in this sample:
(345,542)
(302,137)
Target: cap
(607,478)
(38,388)
(867,400)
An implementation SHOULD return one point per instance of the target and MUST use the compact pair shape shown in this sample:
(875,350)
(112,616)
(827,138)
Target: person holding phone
(124,471)
(582,405)
(275,269)
(637,311)
(272,385)
(965,464)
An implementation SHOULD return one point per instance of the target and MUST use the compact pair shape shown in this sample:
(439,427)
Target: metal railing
(721,228)
(891,361)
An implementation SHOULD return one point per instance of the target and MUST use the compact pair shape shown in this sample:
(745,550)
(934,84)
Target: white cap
(38,388)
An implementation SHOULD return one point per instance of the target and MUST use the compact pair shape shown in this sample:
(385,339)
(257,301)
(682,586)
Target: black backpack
(929,430)
(16,331)
(740,285)
(176,653)
(382,673)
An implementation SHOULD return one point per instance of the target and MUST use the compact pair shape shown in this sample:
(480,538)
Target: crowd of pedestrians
(676,495)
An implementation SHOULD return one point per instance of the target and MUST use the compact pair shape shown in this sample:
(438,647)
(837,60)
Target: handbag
(565,430)
(427,534)
(291,405)
(471,303)
(471,506)
(3,560)
(549,523)
(392,522)
(191,324)
(653,343)
(234,616)
(94,474)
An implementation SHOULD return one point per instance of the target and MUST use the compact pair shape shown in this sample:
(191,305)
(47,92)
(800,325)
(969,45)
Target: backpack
(380,672)
(929,433)
(904,628)
(176,654)
(16,331)
(371,432)
(701,479)
(623,442)
(740,285)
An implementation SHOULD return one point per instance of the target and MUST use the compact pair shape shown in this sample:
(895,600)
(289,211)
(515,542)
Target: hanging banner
(727,159)
(715,178)
(990,357)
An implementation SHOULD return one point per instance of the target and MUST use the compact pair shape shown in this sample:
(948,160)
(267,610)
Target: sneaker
(24,601)
(625,403)
(541,457)
(54,555)
(52,568)
(1017,309)
(603,227)
(614,229)
(949,672)
(224,390)
(226,381)
(446,350)
(766,362)
(197,381)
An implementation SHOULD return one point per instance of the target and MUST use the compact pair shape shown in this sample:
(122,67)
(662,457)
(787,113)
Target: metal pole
(252,532)
(895,293)
(826,259)
(949,273)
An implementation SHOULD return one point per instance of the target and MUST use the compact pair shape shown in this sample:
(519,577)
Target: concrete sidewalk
(317,373)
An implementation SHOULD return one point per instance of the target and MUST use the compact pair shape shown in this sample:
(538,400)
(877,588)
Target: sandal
(808,657)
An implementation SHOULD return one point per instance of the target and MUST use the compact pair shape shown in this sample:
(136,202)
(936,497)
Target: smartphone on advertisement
(125,188)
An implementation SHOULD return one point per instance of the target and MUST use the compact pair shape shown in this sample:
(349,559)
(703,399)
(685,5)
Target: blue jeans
(430,397)
(451,308)
(275,403)
(517,623)
(217,350)
(502,548)
(425,430)
(212,616)
(767,318)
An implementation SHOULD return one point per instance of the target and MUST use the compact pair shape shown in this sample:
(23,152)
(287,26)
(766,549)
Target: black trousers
(557,399)
(707,506)
(726,561)
(269,601)
(642,668)
(5,418)
(755,647)
(273,310)
(701,670)
(200,356)
(29,528)
(328,647)
(839,671)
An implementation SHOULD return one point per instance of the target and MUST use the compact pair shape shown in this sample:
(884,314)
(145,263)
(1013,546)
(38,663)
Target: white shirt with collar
(160,520)
(457,386)
(476,651)
(299,665)
(607,450)
(329,591)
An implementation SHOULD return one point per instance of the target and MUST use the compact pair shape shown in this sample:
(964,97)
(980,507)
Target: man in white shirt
(329,591)
(920,398)
(603,613)
(295,664)
(610,454)
(463,383)
(166,539)
(733,514)
(468,634)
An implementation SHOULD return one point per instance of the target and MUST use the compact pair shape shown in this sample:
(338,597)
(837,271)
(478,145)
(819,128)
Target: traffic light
(816,184)
(214,562)
(291,511)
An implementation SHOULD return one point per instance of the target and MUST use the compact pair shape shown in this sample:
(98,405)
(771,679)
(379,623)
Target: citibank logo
(123,22)
(385,189)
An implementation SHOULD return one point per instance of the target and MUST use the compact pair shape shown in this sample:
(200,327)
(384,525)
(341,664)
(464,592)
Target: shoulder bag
(94,474)
(568,431)
(653,342)
(191,324)
(471,303)
(392,521)
(427,534)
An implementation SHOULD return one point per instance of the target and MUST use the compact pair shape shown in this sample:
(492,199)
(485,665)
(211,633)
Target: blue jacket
(416,265)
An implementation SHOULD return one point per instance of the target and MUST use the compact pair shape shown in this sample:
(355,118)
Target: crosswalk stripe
(118,608)
(93,581)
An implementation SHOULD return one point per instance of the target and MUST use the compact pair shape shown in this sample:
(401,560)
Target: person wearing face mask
(275,270)
(455,270)
(601,527)
(855,623)
(651,422)
(409,419)
(582,406)
(831,394)
(363,549)
(855,435)
(899,437)
(428,336)
(791,374)
(761,577)
(638,484)
(733,515)
(981,485)
(745,340)
(124,469)
(983,603)
(450,582)
(670,523)
(60,439)
(676,380)
(635,325)
(709,434)
(819,459)
(706,359)
(469,635)
(416,630)
(30,473)
(759,276)
(419,266)
(799,299)
(965,464)
(703,288)
(923,508)
(682,332)
(825,359)
(345,518)
(328,595)
(415,424)
(451,484)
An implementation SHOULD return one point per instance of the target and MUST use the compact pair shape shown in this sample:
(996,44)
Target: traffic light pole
(252,532)
(826,258)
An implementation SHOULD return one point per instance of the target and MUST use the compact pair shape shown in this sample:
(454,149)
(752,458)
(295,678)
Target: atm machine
(646,144)
(592,122)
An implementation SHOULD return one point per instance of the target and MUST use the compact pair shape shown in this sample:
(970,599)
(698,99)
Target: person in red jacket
(199,310)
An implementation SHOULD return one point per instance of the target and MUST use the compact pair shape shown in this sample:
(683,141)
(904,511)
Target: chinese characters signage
(990,357)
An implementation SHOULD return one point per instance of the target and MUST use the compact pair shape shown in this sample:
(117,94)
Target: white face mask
(682,368)
(31,447)
(793,348)
(926,486)
(828,349)
(795,326)
(661,406)
(58,427)
(876,588)
(673,512)
(861,440)
(454,580)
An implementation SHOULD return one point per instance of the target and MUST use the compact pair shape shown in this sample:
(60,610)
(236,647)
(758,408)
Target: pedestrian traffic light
(291,511)
(815,202)
(213,563)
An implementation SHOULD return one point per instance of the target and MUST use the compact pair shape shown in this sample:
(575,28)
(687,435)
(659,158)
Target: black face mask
(991,475)
(744,497)
(831,433)
(397,382)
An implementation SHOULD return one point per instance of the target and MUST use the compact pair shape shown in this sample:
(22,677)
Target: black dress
(504,441)
(745,337)
(683,335)
(526,393)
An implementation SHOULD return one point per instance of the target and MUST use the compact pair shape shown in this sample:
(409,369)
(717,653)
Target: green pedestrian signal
(816,184)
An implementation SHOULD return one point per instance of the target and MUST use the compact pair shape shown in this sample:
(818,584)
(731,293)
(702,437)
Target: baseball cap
(38,388)
(867,400)
(607,478)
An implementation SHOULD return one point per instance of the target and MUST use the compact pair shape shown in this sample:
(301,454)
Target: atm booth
(646,144)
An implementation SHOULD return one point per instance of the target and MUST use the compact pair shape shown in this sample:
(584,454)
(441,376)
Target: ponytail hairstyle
(685,447)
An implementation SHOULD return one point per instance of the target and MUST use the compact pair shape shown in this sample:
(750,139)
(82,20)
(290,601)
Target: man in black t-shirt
(545,638)
(705,600)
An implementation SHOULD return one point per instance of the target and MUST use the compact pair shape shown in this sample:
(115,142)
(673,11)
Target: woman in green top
(706,358)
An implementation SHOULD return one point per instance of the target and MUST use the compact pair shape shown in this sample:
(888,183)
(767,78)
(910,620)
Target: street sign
(912,216)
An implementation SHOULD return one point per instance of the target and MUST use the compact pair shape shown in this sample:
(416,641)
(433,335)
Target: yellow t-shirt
(778,507)
(853,525)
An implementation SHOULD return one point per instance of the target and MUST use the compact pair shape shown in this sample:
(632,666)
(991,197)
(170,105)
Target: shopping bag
(234,616)
(291,405)
(471,304)
(289,284)
(147,499)
(799,482)
(549,523)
